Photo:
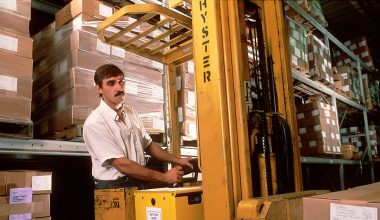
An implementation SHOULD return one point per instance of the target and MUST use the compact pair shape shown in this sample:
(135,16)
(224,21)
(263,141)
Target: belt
(121,182)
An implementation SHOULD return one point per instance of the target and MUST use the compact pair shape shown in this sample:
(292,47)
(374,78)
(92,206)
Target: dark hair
(106,71)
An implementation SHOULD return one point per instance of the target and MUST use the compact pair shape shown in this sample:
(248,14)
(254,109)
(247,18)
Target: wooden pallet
(157,137)
(16,128)
(72,133)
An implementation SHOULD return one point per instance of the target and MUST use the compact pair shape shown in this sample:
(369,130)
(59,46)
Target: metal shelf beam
(42,147)
(320,160)
(324,89)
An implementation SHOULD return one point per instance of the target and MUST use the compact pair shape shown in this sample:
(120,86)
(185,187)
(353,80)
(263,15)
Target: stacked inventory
(67,53)
(351,135)
(16,64)
(186,100)
(319,61)
(25,194)
(298,46)
(349,84)
(359,47)
(312,7)
(318,129)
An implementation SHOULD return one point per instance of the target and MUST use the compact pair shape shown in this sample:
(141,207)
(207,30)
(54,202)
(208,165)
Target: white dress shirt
(107,137)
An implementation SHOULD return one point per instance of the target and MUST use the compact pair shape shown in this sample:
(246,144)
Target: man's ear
(99,90)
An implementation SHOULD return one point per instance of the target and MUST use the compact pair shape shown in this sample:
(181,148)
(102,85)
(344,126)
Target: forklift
(246,123)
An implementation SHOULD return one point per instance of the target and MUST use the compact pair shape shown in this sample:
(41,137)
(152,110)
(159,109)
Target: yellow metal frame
(176,50)
(220,62)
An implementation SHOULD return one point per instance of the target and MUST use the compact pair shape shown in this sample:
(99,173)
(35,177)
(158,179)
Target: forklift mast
(215,37)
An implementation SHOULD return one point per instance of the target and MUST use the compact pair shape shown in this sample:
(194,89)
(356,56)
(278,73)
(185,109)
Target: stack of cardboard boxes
(298,47)
(312,7)
(318,129)
(67,53)
(319,61)
(186,100)
(25,194)
(346,80)
(16,64)
(358,141)
(359,47)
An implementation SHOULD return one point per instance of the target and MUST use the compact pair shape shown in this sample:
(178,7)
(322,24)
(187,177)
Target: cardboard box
(96,9)
(114,204)
(319,60)
(75,96)
(40,207)
(19,7)
(60,42)
(14,22)
(71,115)
(15,107)
(16,44)
(13,86)
(13,65)
(356,203)
(298,46)
(53,66)
(39,181)
(75,77)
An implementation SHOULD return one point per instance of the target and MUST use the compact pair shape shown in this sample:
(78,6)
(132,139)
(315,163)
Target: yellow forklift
(247,131)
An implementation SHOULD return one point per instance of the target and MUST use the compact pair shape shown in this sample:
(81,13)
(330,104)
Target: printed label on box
(117,51)
(41,182)
(178,83)
(190,67)
(20,195)
(292,41)
(105,10)
(362,43)
(352,212)
(8,43)
(8,83)
(193,130)
(180,115)
(9,4)
(153,213)
(190,98)
(300,115)
(297,52)
(102,47)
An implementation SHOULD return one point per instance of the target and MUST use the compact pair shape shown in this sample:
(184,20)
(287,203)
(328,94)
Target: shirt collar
(107,109)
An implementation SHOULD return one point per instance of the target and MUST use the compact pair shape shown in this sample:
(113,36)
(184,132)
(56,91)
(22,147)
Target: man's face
(112,90)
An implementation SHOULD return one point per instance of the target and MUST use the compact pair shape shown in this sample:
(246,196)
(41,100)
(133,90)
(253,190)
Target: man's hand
(174,175)
(185,161)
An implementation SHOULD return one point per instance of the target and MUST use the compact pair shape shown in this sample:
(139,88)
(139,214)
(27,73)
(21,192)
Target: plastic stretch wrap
(66,60)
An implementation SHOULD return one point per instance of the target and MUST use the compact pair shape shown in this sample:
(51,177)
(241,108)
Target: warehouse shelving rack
(42,147)
(328,37)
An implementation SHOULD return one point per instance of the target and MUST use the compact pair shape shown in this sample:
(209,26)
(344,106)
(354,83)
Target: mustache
(119,93)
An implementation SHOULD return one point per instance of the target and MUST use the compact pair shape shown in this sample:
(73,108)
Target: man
(116,139)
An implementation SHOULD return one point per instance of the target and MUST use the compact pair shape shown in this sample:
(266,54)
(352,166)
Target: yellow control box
(185,203)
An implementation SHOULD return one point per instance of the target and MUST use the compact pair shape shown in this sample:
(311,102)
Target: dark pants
(122,182)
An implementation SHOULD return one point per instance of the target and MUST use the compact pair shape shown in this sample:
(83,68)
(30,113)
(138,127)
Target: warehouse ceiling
(346,18)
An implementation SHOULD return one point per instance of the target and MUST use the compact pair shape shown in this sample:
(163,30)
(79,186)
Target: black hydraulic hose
(287,162)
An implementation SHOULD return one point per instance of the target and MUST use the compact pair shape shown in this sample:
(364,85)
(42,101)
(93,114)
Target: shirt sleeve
(100,143)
